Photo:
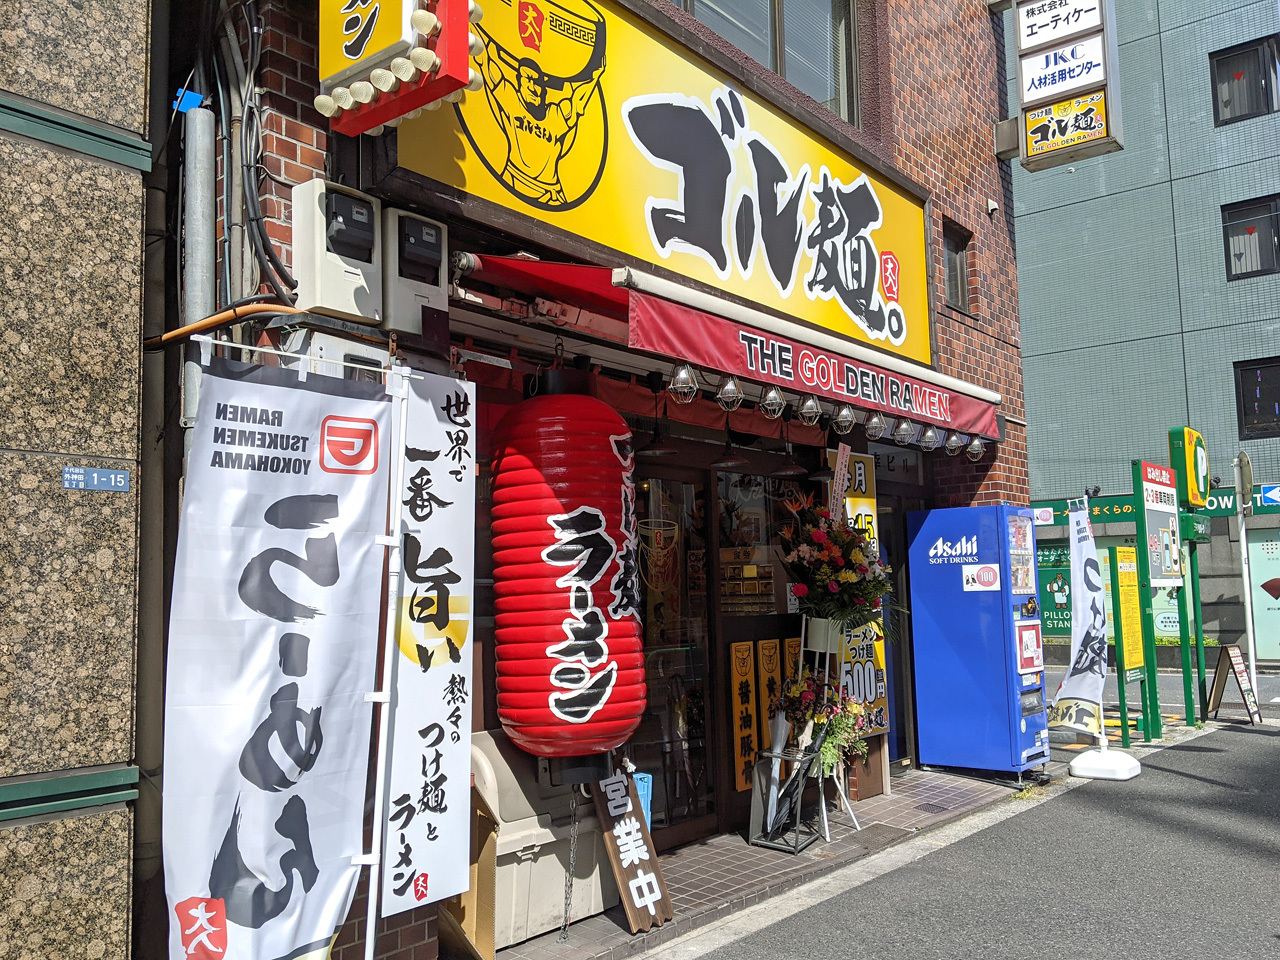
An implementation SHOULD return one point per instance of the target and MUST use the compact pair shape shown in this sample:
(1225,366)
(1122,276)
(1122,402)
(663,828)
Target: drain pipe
(148,751)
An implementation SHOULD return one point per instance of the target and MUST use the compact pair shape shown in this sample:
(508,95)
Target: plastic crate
(644,787)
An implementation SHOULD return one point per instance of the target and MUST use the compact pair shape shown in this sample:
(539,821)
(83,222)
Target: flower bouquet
(837,580)
(824,718)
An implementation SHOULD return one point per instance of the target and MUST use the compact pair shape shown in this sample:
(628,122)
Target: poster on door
(1264,570)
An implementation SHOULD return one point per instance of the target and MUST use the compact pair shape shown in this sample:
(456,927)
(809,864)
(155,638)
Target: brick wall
(948,88)
(409,936)
(295,137)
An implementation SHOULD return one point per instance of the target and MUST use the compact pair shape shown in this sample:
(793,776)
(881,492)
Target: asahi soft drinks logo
(956,551)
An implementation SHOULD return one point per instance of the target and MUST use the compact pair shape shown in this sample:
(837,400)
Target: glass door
(673,742)
(891,515)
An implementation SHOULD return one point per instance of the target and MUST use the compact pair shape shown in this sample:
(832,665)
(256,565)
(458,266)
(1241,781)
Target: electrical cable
(273,269)
(224,123)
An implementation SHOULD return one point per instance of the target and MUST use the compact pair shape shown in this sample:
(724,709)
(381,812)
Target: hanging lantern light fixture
(657,445)
(877,426)
(844,419)
(810,410)
(930,439)
(955,443)
(904,432)
(976,450)
(684,383)
(729,395)
(773,403)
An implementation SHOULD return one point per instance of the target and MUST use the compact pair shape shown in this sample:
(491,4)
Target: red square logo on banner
(202,922)
(889,274)
(348,445)
(420,887)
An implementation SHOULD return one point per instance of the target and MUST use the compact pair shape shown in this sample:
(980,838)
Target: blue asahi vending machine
(978,651)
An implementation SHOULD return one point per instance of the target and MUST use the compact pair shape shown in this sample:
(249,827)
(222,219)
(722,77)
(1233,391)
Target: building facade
(1148,275)
(874,109)
(1149,278)
(75,118)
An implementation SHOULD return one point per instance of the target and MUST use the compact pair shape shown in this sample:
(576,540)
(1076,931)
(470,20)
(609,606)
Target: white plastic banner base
(1105,765)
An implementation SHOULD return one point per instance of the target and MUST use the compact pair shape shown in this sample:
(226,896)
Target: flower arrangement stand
(822,805)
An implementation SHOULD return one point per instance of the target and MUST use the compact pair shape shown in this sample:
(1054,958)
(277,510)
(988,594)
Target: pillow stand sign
(1067,64)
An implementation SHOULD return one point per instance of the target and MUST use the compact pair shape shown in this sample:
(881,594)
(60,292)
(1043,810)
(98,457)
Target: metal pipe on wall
(199,272)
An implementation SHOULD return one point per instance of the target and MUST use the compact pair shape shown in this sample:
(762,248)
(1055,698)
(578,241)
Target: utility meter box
(337,251)
(415,274)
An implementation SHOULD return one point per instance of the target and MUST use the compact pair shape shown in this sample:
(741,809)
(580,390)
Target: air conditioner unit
(337,251)
(415,275)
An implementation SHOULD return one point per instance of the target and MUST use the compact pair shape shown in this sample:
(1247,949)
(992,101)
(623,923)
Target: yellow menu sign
(742,720)
(1130,614)
(593,122)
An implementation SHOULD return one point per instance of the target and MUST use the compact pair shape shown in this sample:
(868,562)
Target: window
(1258,398)
(1244,81)
(956,264)
(1249,236)
(810,43)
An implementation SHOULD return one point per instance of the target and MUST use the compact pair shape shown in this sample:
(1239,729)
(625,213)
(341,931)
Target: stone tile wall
(70,250)
(65,886)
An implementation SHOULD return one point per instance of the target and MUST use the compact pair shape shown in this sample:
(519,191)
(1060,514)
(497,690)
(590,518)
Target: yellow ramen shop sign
(593,122)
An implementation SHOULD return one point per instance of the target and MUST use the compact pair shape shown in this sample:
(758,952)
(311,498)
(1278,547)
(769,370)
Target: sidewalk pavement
(723,888)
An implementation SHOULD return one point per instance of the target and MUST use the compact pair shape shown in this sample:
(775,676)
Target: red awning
(579,284)
(676,330)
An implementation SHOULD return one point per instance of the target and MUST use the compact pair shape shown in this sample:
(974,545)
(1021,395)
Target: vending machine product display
(978,647)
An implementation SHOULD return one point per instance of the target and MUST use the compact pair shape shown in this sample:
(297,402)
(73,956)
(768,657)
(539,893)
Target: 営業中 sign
(631,854)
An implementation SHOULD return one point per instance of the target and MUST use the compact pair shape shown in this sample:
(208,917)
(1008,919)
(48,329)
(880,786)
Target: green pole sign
(1155,502)
(1191,465)
(1190,462)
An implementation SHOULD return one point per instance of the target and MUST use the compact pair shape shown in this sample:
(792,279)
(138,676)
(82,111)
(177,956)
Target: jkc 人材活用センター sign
(597,124)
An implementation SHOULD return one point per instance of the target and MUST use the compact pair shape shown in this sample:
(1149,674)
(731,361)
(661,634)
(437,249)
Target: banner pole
(382,697)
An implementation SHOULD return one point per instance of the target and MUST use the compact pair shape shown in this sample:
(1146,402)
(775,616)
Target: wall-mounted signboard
(1067,81)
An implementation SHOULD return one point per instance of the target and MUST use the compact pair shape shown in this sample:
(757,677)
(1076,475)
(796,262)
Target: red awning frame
(670,320)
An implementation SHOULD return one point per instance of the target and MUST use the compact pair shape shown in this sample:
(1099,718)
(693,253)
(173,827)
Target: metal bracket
(386,540)
(378,696)
(1004,134)
(365,860)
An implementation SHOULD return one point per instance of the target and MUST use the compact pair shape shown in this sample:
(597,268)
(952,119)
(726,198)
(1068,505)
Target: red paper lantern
(569,660)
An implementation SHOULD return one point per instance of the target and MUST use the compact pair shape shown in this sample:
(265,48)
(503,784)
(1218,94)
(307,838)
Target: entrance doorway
(674,743)
(891,517)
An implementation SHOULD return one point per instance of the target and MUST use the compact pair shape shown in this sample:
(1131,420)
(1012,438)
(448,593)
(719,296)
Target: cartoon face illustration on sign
(545,134)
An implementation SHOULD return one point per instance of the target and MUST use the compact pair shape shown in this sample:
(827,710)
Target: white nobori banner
(273,639)
(427,816)
(1078,703)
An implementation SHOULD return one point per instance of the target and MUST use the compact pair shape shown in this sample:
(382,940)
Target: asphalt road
(1183,861)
